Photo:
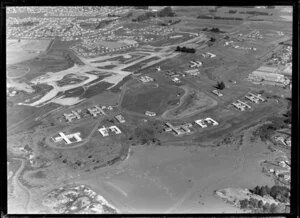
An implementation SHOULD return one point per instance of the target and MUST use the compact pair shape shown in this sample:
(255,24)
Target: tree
(253,202)
(244,204)
(260,204)
(220,85)
(256,190)
(263,191)
(266,207)
(212,39)
(274,208)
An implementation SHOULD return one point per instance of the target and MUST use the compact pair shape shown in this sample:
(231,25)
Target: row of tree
(185,49)
(280,193)
(258,205)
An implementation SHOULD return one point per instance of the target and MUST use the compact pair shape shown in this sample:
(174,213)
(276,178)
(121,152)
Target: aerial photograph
(149,109)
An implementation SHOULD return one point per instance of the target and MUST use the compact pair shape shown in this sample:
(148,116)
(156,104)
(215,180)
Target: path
(17,184)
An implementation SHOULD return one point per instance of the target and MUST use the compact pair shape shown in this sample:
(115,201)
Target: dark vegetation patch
(96,89)
(24,116)
(258,206)
(76,92)
(39,175)
(146,134)
(67,79)
(266,131)
(58,58)
(116,88)
(280,193)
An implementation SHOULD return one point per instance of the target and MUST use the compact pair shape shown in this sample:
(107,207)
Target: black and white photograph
(149,109)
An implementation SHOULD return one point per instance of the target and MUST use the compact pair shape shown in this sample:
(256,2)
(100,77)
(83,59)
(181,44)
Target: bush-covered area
(259,207)
(145,135)
(280,193)
(266,130)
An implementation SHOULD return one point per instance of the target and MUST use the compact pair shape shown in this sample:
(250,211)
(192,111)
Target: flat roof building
(69,139)
(94,111)
(120,118)
(71,116)
(105,130)
(150,113)
(269,77)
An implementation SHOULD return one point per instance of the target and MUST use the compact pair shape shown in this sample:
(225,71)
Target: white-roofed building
(269,78)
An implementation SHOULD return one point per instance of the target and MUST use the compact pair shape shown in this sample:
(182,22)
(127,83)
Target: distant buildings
(105,130)
(94,111)
(69,139)
(150,114)
(180,129)
(203,122)
(195,64)
(193,72)
(176,80)
(217,92)
(73,115)
(208,55)
(120,118)
(240,105)
(185,128)
(146,79)
(269,76)
(254,98)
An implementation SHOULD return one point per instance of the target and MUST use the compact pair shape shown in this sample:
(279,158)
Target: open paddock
(54,62)
(145,98)
(106,98)
(191,102)
(23,50)
(84,129)
(16,71)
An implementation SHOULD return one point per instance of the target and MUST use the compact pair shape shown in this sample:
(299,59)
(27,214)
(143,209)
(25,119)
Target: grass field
(96,89)
(16,71)
(145,98)
(23,50)
(193,102)
(85,130)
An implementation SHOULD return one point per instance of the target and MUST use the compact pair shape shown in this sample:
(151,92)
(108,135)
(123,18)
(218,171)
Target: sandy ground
(171,179)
